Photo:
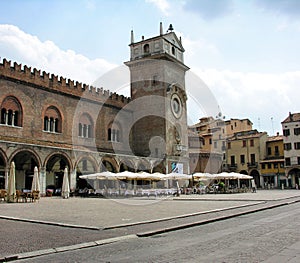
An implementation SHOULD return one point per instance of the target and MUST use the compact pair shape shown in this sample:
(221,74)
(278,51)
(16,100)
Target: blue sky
(245,51)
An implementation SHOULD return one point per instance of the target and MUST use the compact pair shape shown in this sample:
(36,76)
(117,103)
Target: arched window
(114,133)
(85,126)
(11,112)
(52,120)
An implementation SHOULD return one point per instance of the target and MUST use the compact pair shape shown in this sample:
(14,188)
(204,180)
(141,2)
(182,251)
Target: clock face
(176,105)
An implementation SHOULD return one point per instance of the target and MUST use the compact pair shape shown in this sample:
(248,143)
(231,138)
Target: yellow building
(272,167)
(244,152)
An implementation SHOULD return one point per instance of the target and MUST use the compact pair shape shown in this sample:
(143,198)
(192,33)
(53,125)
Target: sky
(246,52)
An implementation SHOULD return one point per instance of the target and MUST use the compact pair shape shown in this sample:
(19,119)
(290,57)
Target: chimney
(291,116)
(160,29)
(132,37)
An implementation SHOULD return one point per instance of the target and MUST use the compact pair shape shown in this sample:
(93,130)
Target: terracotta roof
(292,118)
(275,138)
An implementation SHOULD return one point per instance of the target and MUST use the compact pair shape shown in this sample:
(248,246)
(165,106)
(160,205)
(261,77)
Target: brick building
(52,122)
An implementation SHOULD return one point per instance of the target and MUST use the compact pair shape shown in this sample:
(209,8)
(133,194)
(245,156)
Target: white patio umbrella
(178,176)
(65,190)
(11,191)
(35,180)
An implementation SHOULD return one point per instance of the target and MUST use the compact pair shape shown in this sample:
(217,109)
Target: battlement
(49,81)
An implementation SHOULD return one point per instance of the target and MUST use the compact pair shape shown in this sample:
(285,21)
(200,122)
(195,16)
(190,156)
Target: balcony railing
(231,167)
(252,165)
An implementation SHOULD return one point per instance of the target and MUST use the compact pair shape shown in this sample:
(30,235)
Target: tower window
(146,49)
(173,51)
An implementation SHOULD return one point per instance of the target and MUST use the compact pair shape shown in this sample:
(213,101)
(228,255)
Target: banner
(177,168)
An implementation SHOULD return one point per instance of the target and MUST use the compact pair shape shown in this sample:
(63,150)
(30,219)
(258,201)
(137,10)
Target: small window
(146,49)
(297,145)
(244,143)
(242,159)
(269,150)
(229,145)
(286,132)
(263,166)
(287,146)
(155,80)
(252,158)
(276,151)
(297,131)
(232,160)
(173,51)
(269,166)
(288,161)
(251,143)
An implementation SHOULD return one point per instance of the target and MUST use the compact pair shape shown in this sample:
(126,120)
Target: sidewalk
(99,213)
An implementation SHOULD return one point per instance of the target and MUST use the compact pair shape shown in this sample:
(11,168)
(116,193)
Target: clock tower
(157,84)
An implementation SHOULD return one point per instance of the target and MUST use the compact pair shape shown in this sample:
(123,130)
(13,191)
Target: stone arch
(126,165)
(294,174)
(25,160)
(55,164)
(159,168)
(109,164)
(255,174)
(143,165)
(86,164)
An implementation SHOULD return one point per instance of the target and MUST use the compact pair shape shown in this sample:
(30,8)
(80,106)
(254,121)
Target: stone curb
(180,216)
(207,221)
(49,223)
(232,200)
(43,252)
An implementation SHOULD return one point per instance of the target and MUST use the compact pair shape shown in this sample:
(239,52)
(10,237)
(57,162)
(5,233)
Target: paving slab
(100,212)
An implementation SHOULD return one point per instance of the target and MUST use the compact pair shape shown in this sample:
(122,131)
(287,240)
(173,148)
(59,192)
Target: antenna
(272,125)
(258,124)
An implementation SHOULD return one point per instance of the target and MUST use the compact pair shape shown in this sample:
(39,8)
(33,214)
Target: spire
(160,29)
(132,37)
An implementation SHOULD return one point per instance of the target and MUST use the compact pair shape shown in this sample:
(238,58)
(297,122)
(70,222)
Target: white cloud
(252,95)
(24,48)
(162,5)
(256,96)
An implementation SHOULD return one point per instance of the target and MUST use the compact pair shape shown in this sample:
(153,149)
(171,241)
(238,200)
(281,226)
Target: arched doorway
(25,161)
(84,166)
(256,177)
(55,172)
(294,177)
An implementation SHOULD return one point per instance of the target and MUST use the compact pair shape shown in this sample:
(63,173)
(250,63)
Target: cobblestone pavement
(96,213)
